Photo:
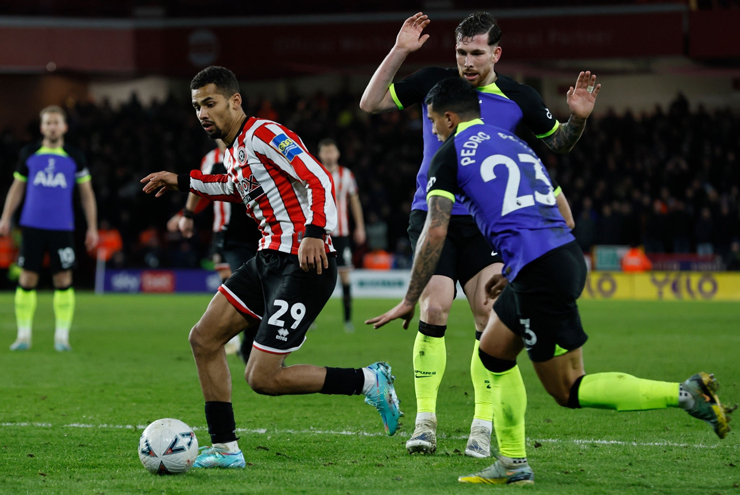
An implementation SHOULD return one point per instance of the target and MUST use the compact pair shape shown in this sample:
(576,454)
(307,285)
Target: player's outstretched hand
(4,228)
(582,98)
(403,310)
(409,37)
(160,182)
(495,286)
(312,254)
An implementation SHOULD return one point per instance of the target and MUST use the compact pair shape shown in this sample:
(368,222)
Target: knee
(435,313)
(567,395)
(262,383)
(561,397)
(199,341)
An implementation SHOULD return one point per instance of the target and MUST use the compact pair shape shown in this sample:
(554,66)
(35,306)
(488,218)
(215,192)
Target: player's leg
(499,348)
(476,265)
(30,258)
(219,323)
(344,265)
(430,352)
(63,260)
(236,306)
(293,299)
(64,309)
(349,327)
(565,380)
(25,308)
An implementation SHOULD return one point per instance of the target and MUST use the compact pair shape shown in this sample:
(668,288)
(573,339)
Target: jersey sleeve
(443,173)
(556,189)
(283,148)
(537,117)
(414,88)
(82,173)
(216,187)
(351,183)
(21,171)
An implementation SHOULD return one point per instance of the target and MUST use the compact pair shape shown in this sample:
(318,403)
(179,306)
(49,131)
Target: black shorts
(466,251)
(540,304)
(35,242)
(344,252)
(233,254)
(273,288)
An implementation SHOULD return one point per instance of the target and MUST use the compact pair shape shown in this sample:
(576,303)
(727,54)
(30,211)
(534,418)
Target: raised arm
(581,100)
(377,98)
(12,201)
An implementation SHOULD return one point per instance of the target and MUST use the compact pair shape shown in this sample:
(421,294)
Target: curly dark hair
(223,78)
(479,23)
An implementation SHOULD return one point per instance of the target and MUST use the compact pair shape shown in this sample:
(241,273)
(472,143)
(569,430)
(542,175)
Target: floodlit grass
(70,423)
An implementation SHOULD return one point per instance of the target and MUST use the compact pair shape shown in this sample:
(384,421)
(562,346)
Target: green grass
(131,364)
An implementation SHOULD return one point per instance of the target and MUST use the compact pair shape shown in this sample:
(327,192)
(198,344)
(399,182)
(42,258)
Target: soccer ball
(168,446)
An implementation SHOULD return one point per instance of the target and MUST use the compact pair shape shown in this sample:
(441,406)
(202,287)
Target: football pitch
(70,423)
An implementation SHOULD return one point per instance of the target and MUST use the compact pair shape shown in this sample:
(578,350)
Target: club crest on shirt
(241,156)
(285,146)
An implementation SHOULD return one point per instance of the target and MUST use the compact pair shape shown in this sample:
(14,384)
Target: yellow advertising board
(663,286)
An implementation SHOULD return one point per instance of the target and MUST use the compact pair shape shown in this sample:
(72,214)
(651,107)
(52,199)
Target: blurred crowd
(667,179)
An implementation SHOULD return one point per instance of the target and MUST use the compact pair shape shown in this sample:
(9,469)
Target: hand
(495,286)
(403,310)
(173,222)
(91,239)
(187,227)
(312,254)
(4,228)
(160,182)
(580,100)
(360,236)
(409,38)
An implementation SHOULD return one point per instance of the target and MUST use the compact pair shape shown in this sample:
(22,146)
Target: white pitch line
(264,431)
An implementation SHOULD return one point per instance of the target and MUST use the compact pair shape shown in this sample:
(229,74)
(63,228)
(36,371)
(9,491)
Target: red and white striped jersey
(221,209)
(344,187)
(285,189)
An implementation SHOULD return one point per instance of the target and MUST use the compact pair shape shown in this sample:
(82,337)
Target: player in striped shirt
(345,188)
(235,236)
(282,289)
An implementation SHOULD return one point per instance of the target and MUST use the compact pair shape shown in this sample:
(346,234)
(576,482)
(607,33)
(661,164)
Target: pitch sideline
(264,431)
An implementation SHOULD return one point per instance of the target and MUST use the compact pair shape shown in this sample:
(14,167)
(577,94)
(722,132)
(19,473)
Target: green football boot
(707,407)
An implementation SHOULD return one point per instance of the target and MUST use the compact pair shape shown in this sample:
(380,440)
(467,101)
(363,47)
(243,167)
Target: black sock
(347,298)
(221,424)
(343,381)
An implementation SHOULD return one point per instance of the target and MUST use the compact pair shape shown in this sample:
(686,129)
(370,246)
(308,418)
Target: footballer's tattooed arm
(566,136)
(431,242)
